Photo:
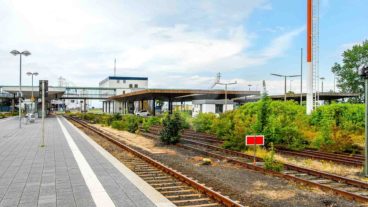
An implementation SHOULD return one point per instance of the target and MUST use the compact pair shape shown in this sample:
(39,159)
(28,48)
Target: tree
(347,72)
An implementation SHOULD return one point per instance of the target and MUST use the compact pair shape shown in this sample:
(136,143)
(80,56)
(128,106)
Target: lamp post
(225,84)
(322,79)
(290,85)
(250,85)
(32,98)
(15,53)
(363,72)
(285,77)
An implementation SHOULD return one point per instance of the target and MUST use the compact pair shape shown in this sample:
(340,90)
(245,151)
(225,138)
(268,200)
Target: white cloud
(178,39)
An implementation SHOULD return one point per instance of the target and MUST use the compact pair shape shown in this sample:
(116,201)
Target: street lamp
(250,85)
(285,76)
(32,74)
(363,72)
(15,53)
(225,84)
(322,78)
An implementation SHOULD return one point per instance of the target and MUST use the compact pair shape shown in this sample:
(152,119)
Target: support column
(126,107)
(170,106)
(141,104)
(113,107)
(13,104)
(154,107)
(85,105)
(109,106)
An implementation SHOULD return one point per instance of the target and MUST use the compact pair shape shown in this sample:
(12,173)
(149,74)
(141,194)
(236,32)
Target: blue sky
(177,44)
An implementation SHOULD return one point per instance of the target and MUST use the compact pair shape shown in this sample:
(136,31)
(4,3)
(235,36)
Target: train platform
(71,170)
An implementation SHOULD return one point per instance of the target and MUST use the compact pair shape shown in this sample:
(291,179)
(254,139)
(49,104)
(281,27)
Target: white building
(122,85)
(211,106)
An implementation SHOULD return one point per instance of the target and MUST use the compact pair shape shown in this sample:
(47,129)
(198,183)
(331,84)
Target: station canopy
(181,94)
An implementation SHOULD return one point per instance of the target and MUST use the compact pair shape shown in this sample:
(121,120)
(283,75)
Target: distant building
(211,106)
(122,85)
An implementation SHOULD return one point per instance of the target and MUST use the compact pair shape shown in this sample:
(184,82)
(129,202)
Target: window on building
(124,81)
(130,85)
(219,108)
(135,85)
(117,81)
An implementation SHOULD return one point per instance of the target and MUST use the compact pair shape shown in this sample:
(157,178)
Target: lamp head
(363,71)
(15,52)
(35,73)
(26,53)
(29,73)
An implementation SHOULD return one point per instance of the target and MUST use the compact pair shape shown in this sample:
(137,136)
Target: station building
(122,85)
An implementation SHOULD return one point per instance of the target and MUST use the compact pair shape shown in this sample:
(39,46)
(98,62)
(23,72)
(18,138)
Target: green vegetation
(150,121)
(8,114)
(270,163)
(203,122)
(172,126)
(337,124)
(347,72)
(337,127)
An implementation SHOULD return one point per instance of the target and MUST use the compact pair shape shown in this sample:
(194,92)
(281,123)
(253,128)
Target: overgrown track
(181,190)
(348,188)
(345,159)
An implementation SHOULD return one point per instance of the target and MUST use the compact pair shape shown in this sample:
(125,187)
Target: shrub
(203,122)
(336,123)
(186,119)
(131,122)
(172,125)
(150,121)
(270,163)
(118,125)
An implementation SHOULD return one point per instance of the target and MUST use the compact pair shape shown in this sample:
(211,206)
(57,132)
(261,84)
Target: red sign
(257,139)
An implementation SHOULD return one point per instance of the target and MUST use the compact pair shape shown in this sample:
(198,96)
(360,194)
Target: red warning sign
(254,140)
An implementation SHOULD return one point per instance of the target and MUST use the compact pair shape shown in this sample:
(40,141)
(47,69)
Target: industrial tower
(312,55)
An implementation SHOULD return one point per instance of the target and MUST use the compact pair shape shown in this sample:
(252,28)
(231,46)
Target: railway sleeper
(194,195)
(159,181)
(172,187)
(173,183)
(197,201)
(170,192)
(158,178)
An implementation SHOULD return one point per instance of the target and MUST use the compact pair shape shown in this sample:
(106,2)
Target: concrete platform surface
(71,170)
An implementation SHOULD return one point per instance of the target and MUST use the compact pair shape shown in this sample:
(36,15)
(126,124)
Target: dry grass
(324,166)
(260,152)
(136,140)
(320,165)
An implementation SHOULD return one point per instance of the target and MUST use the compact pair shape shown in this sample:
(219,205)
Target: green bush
(150,121)
(203,122)
(270,163)
(131,122)
(172,125)
(280,122)
(186,119)
(335,124)
(118,125)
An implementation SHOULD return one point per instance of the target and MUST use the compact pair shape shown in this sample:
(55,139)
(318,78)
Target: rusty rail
(201,188)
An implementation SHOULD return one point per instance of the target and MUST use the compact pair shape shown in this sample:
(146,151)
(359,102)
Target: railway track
(178,188)
(348,188)
(345,159)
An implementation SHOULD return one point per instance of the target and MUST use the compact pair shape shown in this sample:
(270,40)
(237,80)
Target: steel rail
(201,188)
(339,179)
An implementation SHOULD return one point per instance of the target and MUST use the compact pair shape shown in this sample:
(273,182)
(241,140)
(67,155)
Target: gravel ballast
(249,187)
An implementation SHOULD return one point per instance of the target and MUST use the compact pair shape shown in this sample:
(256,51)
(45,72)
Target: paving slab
(71,170)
